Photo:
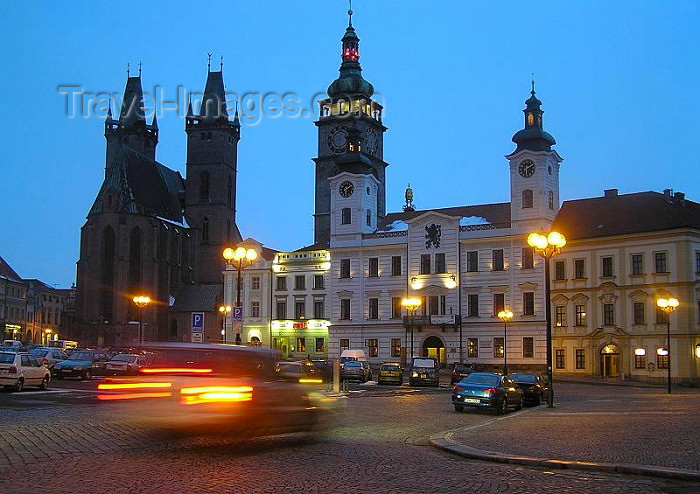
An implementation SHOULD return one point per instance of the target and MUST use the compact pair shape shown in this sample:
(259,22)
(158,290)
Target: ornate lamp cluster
(667,305)
(240,258)
(547,246)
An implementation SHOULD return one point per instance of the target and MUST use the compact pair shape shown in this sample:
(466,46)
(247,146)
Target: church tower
(131,128)
(212,160)
(534,172)
(349,106)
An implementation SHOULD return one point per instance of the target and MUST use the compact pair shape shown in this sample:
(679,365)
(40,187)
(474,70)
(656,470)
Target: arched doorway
(610,361)
(434,347)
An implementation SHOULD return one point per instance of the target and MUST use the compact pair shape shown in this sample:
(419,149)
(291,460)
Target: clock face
(346,189)
(371,141)
(337,139)
(526,168)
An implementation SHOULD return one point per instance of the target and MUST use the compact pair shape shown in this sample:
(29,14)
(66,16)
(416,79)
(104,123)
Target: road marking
(613,413)
(56,391)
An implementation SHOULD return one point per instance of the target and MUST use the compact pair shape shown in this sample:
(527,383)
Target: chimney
(668,192)
(679,197)
(610,192)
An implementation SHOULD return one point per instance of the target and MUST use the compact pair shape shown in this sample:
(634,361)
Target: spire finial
(350,12)
(140,65)
(533,84)
(128,69)
(208,62)
(221,64)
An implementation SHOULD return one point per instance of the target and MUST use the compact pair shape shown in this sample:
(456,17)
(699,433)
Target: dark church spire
(214,99)
(532,136)
(132,103)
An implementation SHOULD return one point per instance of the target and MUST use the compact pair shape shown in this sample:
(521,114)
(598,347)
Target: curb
(440,441)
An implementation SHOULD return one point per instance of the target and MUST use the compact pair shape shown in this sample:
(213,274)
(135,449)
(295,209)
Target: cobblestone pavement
(379,445)
(641,426)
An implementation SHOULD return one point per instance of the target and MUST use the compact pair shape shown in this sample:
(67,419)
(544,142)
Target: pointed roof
(132,103)
(142,186)
(7,271)
(350,82)
(214,99)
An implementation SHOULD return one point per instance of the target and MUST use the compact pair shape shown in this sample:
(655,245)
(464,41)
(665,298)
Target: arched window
(204,187)
(530,119)
(228,230)
(230,191)
(205,230)
(527,198)
(551,200)
(369,217)
(134,270)
(346,216)
(107,252)
(172,334)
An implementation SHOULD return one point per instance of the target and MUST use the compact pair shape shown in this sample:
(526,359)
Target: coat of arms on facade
(432,235)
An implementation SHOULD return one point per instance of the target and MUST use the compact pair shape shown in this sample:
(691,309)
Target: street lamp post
(141,301)
(411,304)
(240,258)
(668,305)
(505,316)
(547,246)
(224,310)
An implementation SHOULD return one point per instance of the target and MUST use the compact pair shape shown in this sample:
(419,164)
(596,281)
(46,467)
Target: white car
(125,363)
(18,370)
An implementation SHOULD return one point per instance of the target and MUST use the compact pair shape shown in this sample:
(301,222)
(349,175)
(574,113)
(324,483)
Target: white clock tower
(534,173)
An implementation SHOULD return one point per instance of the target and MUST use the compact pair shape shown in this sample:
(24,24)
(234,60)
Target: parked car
(424,370)
(390,372)
(63,344)
(13,345)
(355,370)
(487,390)
(48,357)
(125,364)
(351,355)
(459,372)
(304,372)
(83,364)
(200,388)
(18,370)
(325,368)
(535,389)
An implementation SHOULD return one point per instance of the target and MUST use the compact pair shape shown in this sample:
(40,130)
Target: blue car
(487,390)
(82,364)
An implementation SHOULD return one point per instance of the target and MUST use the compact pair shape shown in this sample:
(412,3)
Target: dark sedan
(535,389)
(83,364)
(355,370)
(486,390)
(459,372)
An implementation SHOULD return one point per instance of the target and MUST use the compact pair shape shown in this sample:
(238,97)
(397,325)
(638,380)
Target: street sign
(197,337)
(197,323)
(238,314)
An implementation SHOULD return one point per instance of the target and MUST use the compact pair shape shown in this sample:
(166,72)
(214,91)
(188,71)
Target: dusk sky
(618,81)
